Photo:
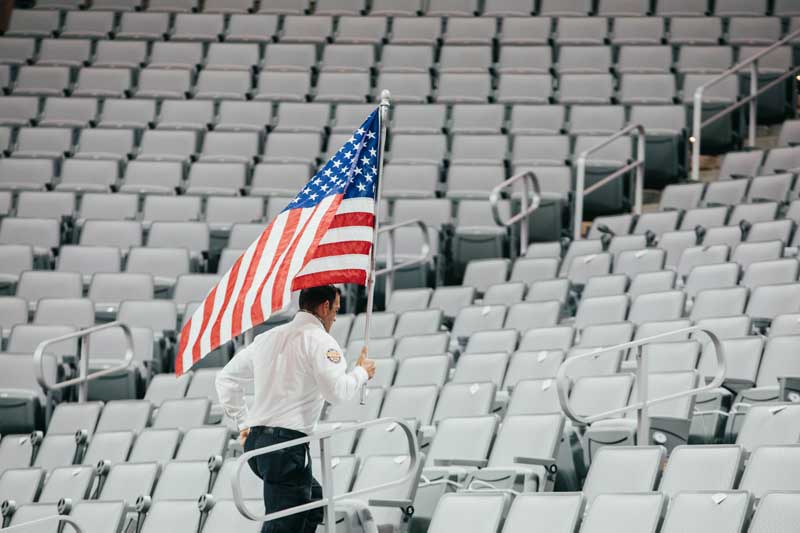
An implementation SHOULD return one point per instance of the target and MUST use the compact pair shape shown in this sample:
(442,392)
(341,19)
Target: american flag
(323,236)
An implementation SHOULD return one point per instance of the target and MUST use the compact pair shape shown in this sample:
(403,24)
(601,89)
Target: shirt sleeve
(231,382)
(330,370)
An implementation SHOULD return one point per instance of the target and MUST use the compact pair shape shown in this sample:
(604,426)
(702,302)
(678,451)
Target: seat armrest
(383,502)
(548,462)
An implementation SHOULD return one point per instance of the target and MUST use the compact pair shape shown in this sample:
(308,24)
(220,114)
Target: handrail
(84,378)
(329,499)
(752,99)
(643,431)
(424,256)
(529,179)
(580,179)
(58,517)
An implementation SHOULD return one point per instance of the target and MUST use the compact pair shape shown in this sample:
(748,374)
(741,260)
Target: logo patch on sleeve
(334,356)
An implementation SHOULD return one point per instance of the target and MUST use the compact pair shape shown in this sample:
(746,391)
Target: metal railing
(25,526)
(638,180)
(752,99)
(391,267)
(530,192)
(641,406)
(329,499)
(84,377)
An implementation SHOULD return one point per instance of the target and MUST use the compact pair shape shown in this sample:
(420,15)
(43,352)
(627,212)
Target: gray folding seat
(222,212)
(657,306)
(622,243)
(516,88)
(173,6)
(768,425)
(647,59)
(103,82)
(41,234)
(573,89)
(785,325)
(601,310)
(464,88)
(414,181)
(474,31)
(182,413)
(656,222)
(704,59)
(68,482)
(88,260)
(606,334)
(121,233)
(342,87)
(665,141)
(22,485)
(42,81)
(545,290)
(63,53)
(243,234)
(239,148)
(409,300)
(381,326)
(170,208)
(202,442)
(18,110)
(305,117)
(713,276)
(483,273)
(571,8)
(452,8)
(279,178)
(158,145)
(120,54)
(354,411)
(102,144)
(530,270)
(418,149)
(165,264)
(707,217)
(77,312)
(701,255)
(413,322)
(306,29)
(596,120)
(18,51)
(414,30)
(144,26)
(232,56)
(348,117)
(157,83)
(424,118)
(25,174)
(771,468)
(728,511)
(198,27)
(789,134)
(192,288)
(477,119)
(770,188)
(503,340)
(719,302)
(348,58)
(728,192)
(40,204)
(781,160)
(750,252)
(43,143)
(544,150)
(186,115)
(84,175)
(175,55)
(34,285)
(696,468)
(182,480)
(33,23)
(637,30)
(360,30)
(193,236)
(647,89)
(14,311)
(158,177)
(405,87)
(481,367)
(108,289)
(136,114)
(695,30)
(770,231)
(748,30)
(582,60)
(681,197)
(634,262)
(289,57)
(581,31)
(582,267)
(714,99)
(292,148)
(649,329)
(606,285)
(505,293)
(604,476)
(605,160)
(243,116)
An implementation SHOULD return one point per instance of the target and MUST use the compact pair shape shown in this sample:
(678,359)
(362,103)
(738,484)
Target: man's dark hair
(312,297)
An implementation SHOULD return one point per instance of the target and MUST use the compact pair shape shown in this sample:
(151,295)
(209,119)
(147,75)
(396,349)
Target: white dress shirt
(295,368)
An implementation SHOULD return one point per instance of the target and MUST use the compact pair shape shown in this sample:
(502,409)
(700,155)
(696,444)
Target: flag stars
(360,131)
(317,182)
(337,163)
(313,196)
(328,172)
(307,191)
(365,160)
(349,155)
(373,152)
(357,171)
(371,134)
(361,187)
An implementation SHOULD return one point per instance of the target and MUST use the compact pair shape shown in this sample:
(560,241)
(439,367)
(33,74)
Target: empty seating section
(145,145)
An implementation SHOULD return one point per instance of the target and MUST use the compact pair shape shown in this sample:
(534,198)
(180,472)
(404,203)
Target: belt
(281,433)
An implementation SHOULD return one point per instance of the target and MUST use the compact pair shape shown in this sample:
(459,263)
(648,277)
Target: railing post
(753,118)
(580,184)
(523,226)
(643,435)
(638,188)
(327,485)
(83,366)
(696,127)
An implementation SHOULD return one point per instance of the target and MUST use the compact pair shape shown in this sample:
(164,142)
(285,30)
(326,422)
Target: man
(295,367)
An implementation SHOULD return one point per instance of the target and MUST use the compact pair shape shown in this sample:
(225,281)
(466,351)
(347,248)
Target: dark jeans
(287,479)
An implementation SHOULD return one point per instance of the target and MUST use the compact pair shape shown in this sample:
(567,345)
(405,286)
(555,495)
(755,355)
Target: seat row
(448,8)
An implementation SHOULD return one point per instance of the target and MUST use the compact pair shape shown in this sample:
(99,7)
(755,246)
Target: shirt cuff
(361,375)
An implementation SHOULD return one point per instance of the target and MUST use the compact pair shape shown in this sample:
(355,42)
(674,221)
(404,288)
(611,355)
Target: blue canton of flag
(353,170)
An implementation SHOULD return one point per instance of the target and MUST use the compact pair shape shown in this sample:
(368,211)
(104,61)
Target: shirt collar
(303,318)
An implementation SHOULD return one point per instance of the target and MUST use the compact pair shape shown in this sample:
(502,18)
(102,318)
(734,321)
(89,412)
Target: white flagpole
(383,119)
